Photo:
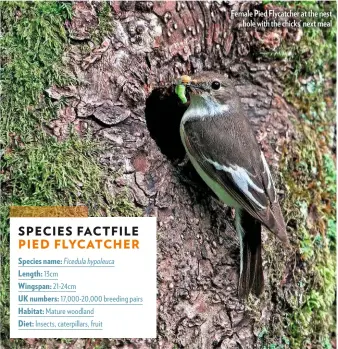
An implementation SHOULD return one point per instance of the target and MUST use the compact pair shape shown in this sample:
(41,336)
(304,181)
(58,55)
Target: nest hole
(163,113)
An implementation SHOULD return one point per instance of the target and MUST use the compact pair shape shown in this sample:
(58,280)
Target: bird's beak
(192,86)
(194,89)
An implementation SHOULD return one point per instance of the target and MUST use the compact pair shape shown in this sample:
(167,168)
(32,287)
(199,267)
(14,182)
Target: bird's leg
(184,162)
(229,211)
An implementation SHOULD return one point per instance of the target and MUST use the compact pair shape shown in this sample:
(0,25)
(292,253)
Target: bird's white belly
(213,185)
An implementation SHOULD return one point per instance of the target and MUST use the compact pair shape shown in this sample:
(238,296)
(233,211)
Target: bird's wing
(228,152)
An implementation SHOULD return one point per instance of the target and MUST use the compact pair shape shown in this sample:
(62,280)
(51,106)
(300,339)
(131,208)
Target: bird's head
(207,94)
(210,86)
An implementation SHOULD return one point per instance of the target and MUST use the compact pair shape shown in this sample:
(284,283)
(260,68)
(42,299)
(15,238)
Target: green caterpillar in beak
(180,91)
(181,86)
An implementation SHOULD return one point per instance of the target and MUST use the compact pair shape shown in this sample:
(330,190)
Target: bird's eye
(216,85)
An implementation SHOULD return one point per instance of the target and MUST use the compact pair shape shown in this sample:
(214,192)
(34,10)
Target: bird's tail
(251,271)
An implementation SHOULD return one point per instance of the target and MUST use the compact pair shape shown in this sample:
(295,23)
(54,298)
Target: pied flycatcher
(224,151)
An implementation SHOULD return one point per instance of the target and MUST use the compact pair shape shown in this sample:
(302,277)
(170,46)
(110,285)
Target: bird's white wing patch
(268,173)
(242,179)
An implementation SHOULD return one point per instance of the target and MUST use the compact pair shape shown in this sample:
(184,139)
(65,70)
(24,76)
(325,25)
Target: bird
(223,149)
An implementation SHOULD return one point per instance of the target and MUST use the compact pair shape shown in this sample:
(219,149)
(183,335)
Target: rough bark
(125,98)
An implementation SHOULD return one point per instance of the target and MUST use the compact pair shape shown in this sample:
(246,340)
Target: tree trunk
(125,97)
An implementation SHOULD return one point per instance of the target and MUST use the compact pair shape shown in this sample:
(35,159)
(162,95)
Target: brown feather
(251,278)
(228,139)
